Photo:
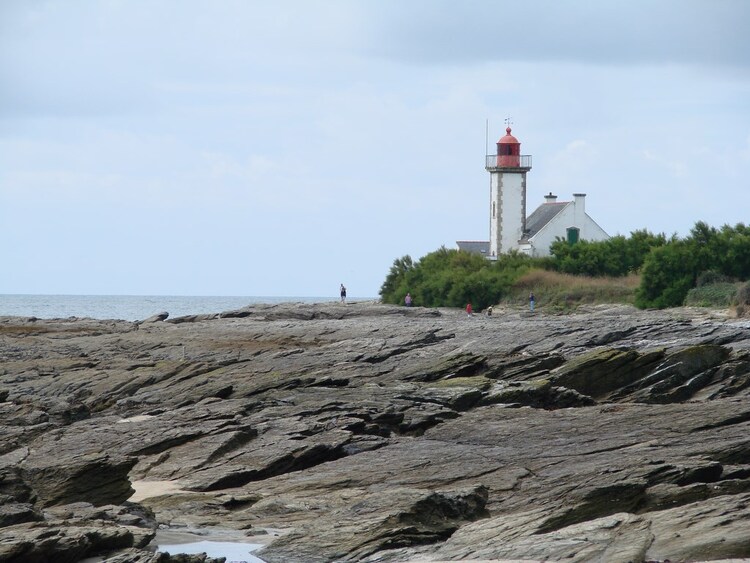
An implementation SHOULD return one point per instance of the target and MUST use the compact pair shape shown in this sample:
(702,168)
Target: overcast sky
(227,147)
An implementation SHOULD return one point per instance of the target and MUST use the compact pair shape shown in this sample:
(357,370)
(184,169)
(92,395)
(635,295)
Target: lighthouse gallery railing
(507,161)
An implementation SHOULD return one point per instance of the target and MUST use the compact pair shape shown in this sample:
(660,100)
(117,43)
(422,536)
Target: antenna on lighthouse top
(508,121)
(486,135)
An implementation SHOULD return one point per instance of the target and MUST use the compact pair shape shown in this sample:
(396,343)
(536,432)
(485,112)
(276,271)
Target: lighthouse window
(493,209)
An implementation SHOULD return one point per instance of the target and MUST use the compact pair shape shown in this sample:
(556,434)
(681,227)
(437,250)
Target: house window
(573,234)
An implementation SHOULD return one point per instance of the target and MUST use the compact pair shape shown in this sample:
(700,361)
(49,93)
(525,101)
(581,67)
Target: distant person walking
(532,301)
(343,293)
(489,311)
(468,309)
(407,300)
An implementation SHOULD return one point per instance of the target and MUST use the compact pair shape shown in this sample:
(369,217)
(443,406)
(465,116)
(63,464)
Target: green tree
(668,273)
(639,244)
(669,267)
(396,276)
(617,256)
(731,251)
(451,278)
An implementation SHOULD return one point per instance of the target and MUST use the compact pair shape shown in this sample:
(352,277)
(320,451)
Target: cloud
(633,32)
(222,166)
(114,58)
(677,168)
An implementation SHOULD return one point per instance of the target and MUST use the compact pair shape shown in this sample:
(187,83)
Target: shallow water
(130,307)
(234,552)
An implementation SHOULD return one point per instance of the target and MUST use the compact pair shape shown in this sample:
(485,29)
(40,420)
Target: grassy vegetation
(557,291)
(721,294)
(712,295)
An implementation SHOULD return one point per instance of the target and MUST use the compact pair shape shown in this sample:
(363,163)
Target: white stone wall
(572,215)
(494,214)
(507,210)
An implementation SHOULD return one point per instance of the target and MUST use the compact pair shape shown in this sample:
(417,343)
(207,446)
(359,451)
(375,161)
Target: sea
(137,307)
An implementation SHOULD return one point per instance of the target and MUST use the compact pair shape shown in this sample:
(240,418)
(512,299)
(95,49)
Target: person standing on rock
(407,300)
(343,293)
(532,301)
(468,309)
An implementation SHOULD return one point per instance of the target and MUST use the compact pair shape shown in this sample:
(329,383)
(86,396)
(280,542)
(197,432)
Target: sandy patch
(148,489)
(139,418)
(177,535)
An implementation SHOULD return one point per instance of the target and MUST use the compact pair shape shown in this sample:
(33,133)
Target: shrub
(618,256)
(742,297)
(668,268)
(451,278)
(668,275)
(742,300)
(719,294)
(711,277)
(401,267)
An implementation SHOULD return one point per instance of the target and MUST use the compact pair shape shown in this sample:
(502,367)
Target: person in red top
(468,309)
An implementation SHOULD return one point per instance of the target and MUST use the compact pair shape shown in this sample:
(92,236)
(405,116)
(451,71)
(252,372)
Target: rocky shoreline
(368,432)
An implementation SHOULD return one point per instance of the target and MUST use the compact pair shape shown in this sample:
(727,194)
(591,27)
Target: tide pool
(234,552)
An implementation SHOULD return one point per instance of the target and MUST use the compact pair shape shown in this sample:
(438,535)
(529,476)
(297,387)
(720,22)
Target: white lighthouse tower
(507,195)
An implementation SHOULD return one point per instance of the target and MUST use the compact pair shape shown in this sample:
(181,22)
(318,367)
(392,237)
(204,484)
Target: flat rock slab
(367,432)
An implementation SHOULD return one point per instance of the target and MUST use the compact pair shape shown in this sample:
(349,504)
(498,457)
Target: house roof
(541,216)
(478,246)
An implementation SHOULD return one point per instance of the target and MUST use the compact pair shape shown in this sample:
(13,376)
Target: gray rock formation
(366,432)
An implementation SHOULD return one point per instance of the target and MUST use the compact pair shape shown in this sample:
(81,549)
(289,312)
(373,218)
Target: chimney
(549,198)
(580,200)
(579,210)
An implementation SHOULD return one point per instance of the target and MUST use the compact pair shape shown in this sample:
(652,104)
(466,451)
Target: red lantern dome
(508,151)
(508,138)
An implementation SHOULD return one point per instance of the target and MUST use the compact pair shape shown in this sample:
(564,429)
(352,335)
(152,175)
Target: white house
(510,228)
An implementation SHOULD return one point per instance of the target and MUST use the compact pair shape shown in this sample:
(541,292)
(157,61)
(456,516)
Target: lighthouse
(510,228)
(507,170)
